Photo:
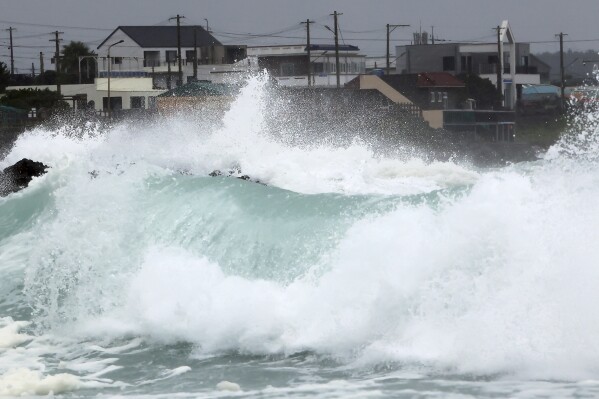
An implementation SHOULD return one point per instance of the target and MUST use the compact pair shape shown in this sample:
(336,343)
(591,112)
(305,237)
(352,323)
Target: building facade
(289,64)
(516,64)
(152,51)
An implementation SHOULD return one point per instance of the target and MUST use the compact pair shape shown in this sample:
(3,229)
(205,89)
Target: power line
(54,26)
(565,41)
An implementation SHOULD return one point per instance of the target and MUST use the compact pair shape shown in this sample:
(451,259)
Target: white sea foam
(9,334)
(228,386)
(483,284)
(21,382)
(183,145)
(498,279)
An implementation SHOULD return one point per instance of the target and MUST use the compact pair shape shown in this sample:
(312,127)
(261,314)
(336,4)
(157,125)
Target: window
(116,103)
(170,55)
(138,102)
(117,60)
(318,67)
(287,69)
(439,97)
(466,63)
(151,102)
(449,63)
(190,55)
(151,58)
(433,96)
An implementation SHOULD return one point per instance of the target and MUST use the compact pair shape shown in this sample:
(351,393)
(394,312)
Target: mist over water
(128,270)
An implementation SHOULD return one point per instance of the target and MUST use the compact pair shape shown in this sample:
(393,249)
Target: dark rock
(234,173)
(18,176)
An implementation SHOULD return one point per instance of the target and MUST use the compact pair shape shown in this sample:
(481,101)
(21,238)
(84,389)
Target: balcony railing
(527,69)
(148,63)
(488,69)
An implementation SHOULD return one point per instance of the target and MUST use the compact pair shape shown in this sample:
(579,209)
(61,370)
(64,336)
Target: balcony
(155,63)
(527,69)
(149,63)
(489,69)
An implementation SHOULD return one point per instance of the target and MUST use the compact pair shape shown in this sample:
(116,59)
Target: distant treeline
(576,72)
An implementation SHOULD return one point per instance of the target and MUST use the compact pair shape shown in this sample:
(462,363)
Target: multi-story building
(516,64)
(289,64)
(152,51)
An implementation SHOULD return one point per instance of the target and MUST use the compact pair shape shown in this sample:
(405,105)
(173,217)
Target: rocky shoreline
(18,176)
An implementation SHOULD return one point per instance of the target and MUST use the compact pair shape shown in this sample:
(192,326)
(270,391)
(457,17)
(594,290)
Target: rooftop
(166,36)
(331,47)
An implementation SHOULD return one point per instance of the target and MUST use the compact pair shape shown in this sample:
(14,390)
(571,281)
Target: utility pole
(57,40)
(391,28)
(498,68)
(195,53)
(168,76)
(41,68)
(32,70)
(308,22)
(12,56)
(561,67)
(432,35)
(178,17)
(337,70)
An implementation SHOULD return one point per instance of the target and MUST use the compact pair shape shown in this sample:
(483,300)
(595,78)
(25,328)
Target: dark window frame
(449,63)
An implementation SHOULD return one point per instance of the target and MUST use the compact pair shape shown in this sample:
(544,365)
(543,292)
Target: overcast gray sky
(362,23)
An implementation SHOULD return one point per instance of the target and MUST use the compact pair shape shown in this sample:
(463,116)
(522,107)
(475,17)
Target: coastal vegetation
(33,98)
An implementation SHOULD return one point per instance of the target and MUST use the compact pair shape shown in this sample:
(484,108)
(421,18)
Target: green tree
(481,90)
(33,98)
(69,63)
(4,76)
(47,78)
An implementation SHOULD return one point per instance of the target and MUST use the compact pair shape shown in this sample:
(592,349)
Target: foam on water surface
(350,272)
(21,382)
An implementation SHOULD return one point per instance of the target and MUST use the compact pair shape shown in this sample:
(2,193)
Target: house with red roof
(430,93)
(509,72)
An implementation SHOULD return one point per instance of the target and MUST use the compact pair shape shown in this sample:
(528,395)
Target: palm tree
(69,63)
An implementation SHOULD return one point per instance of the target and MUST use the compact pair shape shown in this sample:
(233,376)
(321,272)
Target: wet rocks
(234,173)
(16,177)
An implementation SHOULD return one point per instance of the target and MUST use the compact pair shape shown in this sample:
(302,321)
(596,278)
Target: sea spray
(346,265)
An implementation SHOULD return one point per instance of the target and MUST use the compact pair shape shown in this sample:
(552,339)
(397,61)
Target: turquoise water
(346,274)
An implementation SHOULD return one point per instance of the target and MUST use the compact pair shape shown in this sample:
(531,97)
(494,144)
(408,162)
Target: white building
(125,93)
(288,64)
(151,51)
